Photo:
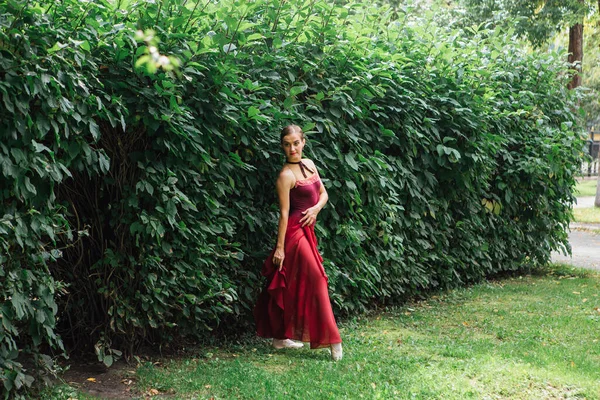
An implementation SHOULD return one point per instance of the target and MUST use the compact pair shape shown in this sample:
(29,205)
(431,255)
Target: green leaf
(254,36)
(253,111)
(308,127)
(296,90)
(20,304)
(40,147)
(86,45)
(288,102)
(351,162)
(29,186)
(94,129)
(104,162)
(57,46)
(108,360)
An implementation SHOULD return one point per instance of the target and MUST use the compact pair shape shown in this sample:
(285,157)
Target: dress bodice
(305,194)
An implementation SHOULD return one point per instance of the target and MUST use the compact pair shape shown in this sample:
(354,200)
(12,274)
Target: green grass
(587,215)
(585,188)
(64,392)
(529,337)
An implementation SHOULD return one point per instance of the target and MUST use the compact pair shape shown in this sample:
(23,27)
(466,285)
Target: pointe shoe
(286,344)
(336,352)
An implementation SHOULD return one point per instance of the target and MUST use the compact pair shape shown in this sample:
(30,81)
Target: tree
(538,21)
(576,50)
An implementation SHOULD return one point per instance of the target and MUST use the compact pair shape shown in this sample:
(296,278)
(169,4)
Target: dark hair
(288,130)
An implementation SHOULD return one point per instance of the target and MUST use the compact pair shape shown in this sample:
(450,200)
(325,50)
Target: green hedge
(137,190)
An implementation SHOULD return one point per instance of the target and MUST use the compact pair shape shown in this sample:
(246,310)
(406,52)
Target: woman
(295,304)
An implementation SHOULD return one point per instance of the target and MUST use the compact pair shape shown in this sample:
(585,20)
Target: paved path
(584,202)
(585,244)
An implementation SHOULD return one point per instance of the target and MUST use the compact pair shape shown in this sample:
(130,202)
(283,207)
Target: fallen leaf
(576,293)
(465,324)
(153,392)
(373,385)
(91,379)
(207,386)
(584,300)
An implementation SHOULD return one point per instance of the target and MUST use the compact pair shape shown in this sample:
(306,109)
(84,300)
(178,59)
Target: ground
(584,240)
(94,379)
(585,244)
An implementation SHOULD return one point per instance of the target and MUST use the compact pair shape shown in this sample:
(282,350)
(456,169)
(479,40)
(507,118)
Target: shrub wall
(137,200)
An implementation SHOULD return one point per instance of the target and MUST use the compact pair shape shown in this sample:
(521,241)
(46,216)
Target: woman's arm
(284,184)
(310,214)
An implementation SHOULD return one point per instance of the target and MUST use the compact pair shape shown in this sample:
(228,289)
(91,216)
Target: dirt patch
(94,379)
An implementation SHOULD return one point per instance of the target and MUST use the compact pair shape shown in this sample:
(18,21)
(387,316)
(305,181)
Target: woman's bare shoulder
(286,176)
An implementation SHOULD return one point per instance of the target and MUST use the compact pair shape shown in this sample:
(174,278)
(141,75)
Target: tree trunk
(576,53)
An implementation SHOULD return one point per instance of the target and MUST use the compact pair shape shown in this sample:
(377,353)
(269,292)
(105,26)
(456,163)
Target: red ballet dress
(295,303)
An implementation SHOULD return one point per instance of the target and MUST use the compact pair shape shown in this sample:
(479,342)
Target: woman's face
(292,146)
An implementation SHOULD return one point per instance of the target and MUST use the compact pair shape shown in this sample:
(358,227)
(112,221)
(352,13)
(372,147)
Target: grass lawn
(526,337)
(586,188)
(587,215)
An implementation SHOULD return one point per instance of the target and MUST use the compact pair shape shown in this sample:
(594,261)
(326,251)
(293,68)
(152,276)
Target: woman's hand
(278,257)
(310,216)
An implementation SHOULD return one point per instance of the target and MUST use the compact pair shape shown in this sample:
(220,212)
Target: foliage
(591,72)
(538,20)
(137,173)
(543,24)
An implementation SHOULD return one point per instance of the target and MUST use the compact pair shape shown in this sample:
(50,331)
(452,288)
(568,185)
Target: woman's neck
(303,167)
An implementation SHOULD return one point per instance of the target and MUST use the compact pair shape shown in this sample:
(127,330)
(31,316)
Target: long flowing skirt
(295,303)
